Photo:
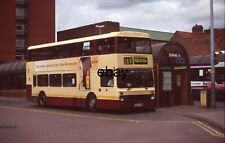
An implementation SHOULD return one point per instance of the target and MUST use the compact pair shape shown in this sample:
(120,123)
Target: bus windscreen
(136,78)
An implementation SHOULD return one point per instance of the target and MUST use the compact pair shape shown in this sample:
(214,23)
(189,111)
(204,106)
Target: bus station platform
(214,117)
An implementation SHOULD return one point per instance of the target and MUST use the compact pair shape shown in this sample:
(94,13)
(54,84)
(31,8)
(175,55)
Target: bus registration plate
(138,105)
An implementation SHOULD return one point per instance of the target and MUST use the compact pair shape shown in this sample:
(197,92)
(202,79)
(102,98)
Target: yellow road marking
(208,129)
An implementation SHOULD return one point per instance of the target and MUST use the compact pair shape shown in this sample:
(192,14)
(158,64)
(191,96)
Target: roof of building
(204,60)
(200,60)
(162,53)
(199,43)
(16,67)
(155,35)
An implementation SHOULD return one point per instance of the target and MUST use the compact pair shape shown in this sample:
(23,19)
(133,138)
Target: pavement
(211,116)
(214,117)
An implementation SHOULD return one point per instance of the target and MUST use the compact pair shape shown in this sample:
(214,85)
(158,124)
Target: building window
(20,12)
(167,81)
(20,1)
(69,80)
(55,80)
(20,57)
(20,28)
(20,44)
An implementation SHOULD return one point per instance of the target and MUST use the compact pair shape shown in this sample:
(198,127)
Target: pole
(213,96)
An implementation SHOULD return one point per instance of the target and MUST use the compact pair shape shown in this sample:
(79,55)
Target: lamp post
(212,49)
(100,28)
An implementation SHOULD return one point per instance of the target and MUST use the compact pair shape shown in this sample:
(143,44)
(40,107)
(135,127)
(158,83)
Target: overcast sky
(160,15)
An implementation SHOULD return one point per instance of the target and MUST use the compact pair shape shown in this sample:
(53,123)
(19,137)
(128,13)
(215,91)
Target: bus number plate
(138,105)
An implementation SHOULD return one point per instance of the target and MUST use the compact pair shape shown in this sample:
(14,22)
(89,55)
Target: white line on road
(206,128)
(88,116)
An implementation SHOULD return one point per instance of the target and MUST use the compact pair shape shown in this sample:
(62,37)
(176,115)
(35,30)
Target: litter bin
(205,98)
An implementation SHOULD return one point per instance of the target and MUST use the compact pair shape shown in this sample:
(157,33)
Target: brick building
(24,23)
(109,26)
(88,30)
(197,42)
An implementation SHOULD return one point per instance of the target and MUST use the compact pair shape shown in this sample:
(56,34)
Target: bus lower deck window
(55,80)
(42,80)
(69,80)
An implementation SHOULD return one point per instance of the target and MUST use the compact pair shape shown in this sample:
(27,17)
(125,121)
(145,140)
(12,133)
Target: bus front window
(134,45)
(136,78)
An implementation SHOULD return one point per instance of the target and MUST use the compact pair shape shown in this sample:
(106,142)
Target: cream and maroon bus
(108,71)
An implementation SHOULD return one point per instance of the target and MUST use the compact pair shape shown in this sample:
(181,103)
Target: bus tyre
(42,99)
(91,103)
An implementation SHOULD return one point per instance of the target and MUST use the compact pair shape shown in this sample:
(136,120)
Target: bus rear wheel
(42,99)
(91,102)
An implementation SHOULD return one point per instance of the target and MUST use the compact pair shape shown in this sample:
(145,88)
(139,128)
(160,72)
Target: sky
(159,15)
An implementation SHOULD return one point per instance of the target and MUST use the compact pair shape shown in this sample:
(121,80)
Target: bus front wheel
(42,99)
(91,102)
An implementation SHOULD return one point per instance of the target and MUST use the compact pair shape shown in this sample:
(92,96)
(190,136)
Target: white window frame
(20,12)
(22,28)
(21,56)
(20,43)
(167,80)
(20,1)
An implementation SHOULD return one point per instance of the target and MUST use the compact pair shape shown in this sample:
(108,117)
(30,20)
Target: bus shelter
(172,74)
(12,79)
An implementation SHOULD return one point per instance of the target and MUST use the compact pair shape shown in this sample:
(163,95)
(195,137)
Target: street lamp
(100,28)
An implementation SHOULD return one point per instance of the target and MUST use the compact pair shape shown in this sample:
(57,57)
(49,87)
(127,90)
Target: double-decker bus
(108,71)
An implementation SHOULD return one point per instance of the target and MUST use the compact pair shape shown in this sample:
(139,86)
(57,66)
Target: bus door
(85,64)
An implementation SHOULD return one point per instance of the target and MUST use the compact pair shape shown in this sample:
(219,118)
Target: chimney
(197,29)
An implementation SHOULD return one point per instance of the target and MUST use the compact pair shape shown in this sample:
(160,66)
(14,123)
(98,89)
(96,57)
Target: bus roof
(102,36)
(219,65)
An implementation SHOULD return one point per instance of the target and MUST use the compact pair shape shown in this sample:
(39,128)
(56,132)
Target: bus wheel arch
(42,99)
(91,102)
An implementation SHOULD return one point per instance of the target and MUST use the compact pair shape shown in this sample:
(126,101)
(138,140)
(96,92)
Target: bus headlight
(152,97)
(122,99)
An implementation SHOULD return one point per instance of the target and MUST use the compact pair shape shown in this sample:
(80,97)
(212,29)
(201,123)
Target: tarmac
(212,116)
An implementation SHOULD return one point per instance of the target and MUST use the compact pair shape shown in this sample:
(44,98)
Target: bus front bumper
(129,102)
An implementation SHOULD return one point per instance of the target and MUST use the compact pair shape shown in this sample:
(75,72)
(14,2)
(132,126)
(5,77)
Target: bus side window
(55,80)
(78,49)
(87,48)
(107,81)
(28,56)
(33,54)
(69,50)
(56,53)
(69,80)
(34,80)
(42,80)
(105,46)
